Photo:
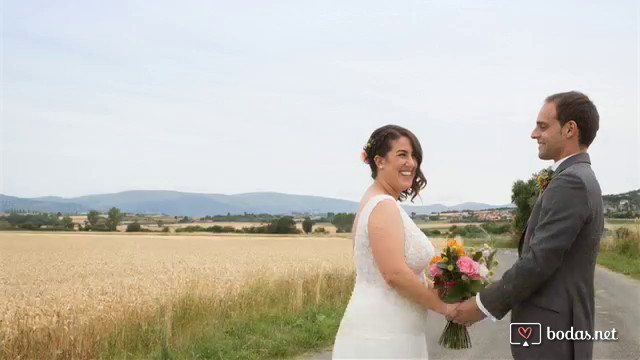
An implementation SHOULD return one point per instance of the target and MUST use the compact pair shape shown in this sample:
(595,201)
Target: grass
(267,320)
(620,251)
(620,263)
(621,221)
(266,336)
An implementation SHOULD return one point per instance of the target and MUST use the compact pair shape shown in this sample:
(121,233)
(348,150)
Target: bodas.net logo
(525,334)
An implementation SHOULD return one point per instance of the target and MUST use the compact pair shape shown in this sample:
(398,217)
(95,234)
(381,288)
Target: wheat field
(66,288)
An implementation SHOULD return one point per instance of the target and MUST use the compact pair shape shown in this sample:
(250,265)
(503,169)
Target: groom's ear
(571,129)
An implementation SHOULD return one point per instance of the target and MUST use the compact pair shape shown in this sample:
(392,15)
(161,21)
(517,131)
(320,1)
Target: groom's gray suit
(552,281)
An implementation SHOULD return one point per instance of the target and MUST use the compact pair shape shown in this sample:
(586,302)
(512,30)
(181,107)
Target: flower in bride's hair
(363,157)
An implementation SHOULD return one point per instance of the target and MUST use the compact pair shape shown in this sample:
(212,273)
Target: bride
(386,316)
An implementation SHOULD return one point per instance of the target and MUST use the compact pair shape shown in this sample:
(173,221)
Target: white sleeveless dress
(379,323)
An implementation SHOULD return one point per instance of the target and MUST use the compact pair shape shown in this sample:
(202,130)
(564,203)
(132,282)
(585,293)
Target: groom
(551,283)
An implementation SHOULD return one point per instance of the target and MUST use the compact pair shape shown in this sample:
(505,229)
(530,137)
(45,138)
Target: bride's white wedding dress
(379,323)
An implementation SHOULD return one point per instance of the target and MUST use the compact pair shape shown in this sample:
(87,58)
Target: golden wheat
(66,289)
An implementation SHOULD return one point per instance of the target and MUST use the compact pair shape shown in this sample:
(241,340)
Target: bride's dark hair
(380,144)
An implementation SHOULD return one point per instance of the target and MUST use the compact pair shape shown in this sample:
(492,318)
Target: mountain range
(197,204)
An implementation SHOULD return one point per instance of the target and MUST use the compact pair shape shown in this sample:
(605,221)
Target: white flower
(486,253)
(483,271)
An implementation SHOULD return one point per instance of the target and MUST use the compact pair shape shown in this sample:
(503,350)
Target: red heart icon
(525,332)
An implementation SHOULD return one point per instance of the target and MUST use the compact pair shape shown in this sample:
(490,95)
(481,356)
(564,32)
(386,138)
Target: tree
(524,196)
(283,225)
(67,222)
(160,223)
(343,222)
(114,218)
(134,227)
(93,216)
(307,224)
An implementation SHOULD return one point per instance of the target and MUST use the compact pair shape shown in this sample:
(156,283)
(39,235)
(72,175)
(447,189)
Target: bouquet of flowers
(458,275)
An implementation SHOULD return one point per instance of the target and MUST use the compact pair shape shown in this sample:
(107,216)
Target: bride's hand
(432,288)
(429,283)
(451,310)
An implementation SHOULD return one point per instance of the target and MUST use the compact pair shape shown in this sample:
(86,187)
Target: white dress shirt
(554,167)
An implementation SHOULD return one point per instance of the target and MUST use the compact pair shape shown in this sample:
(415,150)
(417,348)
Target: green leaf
(490,259)
(456,293)
(475,286)
(477,255)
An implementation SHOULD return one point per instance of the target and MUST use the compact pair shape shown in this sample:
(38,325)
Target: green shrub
(134,227)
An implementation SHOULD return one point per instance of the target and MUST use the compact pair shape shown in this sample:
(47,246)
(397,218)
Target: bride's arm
(386,236)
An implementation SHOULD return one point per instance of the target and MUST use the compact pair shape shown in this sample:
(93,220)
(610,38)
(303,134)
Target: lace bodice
(418,250)
(378,322)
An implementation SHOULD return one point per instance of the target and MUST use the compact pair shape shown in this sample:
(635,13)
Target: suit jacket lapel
(532,223)
(524,231)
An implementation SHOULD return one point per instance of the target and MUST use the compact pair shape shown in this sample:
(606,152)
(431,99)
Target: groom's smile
(548,133)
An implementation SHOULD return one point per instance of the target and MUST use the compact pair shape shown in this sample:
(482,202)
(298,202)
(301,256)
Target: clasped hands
(464,313)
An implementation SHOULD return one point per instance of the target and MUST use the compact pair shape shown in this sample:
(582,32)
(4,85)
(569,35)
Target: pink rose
(467,266)
(434,271)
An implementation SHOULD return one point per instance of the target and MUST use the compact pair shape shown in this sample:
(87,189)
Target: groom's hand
(467,313)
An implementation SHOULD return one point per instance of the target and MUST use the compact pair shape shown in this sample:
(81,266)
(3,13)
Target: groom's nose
(534,133)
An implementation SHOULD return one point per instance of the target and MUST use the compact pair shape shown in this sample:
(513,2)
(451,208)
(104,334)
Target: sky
(242,96)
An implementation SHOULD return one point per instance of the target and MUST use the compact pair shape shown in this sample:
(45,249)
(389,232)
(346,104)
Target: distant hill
(622,202)
(196,204)
(36,205)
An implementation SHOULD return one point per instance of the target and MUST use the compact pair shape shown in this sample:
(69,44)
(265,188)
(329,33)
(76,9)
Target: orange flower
(435,259)
(452,243)
(460,250)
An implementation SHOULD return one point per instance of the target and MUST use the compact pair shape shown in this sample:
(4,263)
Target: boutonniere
(543,178)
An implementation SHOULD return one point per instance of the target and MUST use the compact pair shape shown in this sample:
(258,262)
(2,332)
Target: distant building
(624,205)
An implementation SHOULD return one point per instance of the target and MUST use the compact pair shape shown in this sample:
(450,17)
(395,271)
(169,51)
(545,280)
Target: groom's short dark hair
(576,106)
